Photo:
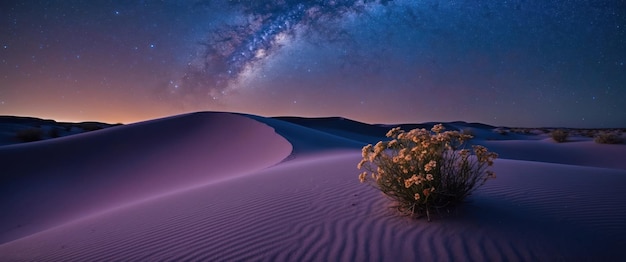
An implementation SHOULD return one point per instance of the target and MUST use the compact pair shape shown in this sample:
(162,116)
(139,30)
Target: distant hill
(16,129)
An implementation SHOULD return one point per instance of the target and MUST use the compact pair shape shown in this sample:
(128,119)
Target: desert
(225,186)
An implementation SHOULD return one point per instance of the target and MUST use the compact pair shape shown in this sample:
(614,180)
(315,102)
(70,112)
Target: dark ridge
(476,125)
(17,129)
(374,130)
(25,120)
(337,123)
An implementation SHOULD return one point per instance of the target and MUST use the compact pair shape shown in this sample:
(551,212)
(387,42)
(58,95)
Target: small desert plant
(608,138)
(29,135)
(424,171)
(501,131)
(559,135)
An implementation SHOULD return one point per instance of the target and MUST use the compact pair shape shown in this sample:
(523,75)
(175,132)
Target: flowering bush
(423,171)
(559,135)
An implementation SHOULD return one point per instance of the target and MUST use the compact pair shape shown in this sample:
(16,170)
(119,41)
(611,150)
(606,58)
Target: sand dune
(310,206)
(582,153)
(46,183)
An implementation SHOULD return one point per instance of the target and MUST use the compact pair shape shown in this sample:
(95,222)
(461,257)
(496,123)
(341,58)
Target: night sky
(523,63)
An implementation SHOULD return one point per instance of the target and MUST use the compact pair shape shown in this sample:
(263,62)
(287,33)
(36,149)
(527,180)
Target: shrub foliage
(559,135)
(608,138)
(425,170)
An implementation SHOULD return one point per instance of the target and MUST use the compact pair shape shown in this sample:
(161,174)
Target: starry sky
(523,63)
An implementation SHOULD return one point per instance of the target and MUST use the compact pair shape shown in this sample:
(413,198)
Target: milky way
(515,63)
(232,49)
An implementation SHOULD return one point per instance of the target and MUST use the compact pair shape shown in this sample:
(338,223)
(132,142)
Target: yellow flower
(432,164)
(363,177)
(413,180)
(366,150)
(419,179)
(403,152)
(417,196)
(479,150)
(379,147)
(438,128)
(408,183)
(360,165)
(394,132)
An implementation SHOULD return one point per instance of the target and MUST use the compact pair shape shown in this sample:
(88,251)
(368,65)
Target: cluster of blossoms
(423,169)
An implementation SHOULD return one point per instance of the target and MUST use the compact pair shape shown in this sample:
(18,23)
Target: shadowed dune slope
(47,183)
(308,140)
(342,127)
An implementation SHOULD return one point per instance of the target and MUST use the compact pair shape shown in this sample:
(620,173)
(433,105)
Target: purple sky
(514,63)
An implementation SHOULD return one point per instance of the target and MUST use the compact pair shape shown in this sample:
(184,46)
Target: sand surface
(227,187)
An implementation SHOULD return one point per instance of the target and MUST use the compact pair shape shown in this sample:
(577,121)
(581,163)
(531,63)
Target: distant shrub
(608,138)
(501,131)
(559,135)
(424,171)
(29,135)
(525,131)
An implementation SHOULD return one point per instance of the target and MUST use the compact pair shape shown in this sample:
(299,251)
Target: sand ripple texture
(313,208)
